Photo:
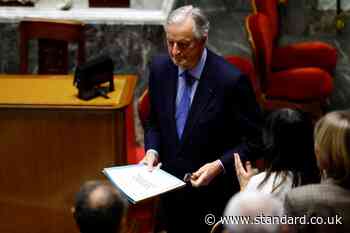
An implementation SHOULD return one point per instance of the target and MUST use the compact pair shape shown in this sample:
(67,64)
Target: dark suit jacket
(320,200)
(224,116)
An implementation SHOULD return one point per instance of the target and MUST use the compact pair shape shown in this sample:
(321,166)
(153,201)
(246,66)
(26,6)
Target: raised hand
(243,174)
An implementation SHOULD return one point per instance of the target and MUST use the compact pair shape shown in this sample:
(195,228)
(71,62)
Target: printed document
(137,183)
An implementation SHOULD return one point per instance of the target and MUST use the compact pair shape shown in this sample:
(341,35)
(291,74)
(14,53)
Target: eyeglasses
(181,45)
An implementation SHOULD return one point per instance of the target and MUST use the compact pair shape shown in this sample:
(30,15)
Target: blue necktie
(185,104)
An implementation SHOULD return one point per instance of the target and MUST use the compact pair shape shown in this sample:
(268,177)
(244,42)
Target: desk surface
(57,91)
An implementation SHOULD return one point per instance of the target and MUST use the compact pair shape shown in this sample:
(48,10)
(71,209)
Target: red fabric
(259,27)
(243,64)
(246,67)
(136,152)
(269,8)
(291,84)
(302,84)
(305,54)
(130,132)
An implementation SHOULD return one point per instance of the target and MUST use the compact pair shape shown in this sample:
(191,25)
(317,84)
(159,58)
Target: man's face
(184,49)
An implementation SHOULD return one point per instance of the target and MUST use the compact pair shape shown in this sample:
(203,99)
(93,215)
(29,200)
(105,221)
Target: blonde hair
(332,139)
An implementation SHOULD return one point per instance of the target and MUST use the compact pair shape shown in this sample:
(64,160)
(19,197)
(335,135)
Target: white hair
(253,204)
(201,22)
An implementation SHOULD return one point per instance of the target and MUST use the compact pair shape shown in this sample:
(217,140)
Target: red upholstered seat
(305,54)
(268,8)
(303,87)
(300,84)
(296,55)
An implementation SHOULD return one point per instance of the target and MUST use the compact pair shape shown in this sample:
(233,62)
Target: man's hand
(204,175)
(243,175)
(151,160)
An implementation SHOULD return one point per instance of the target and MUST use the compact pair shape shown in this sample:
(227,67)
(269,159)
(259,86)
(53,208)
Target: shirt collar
(198,69)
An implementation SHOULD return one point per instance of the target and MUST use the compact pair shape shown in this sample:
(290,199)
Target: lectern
(50,143)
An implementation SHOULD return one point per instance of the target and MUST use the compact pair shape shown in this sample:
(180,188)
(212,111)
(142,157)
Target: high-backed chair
(305,88)
(296,55)
(53,37)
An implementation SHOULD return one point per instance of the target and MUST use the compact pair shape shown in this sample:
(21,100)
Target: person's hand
(151,160)
(205,174)
(243,175)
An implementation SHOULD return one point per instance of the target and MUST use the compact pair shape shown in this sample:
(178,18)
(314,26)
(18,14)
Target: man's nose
(175,49)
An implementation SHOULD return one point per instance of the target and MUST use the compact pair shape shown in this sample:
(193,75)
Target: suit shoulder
(303,191)
(227,75)
(160,68)
(320,199)
(160,60)
(226,69)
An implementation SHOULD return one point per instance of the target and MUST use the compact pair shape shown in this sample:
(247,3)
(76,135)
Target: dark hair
(289,147)
(104,214)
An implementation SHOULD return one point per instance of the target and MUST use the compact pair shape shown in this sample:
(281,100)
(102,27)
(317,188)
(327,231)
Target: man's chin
(181,64)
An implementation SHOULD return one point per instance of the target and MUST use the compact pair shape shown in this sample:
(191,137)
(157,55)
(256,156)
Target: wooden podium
(50,143)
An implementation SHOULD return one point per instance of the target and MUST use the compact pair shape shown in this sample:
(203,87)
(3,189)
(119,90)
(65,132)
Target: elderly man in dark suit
(202,110)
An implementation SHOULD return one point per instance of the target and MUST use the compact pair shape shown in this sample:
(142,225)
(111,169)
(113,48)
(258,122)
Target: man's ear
(205,38)
(203,41)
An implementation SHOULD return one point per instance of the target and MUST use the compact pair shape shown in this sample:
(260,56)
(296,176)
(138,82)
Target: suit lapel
(170,92)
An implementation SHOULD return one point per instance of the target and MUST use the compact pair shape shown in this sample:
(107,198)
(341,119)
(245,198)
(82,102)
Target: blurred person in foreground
(99,208)
(258,209)
(329,201)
